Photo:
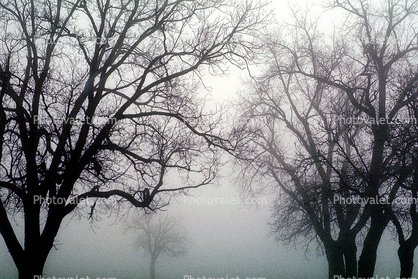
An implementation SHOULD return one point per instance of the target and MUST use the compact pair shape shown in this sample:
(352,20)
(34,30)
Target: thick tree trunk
(31,262)
(34,261)
(31,271)
(335,261)
(406,258)
(367,261)
(406,252)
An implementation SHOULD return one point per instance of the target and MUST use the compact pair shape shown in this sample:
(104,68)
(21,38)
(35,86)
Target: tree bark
(30,263)
(33,261)
(33,267)
(350,256)
(406,252)
(406,258)
(367,261)
(335,260)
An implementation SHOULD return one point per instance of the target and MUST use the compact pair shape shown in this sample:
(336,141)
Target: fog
(228,239)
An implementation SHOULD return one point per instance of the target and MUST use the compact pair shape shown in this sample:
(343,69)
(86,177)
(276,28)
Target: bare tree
(294,147)
(99,99)
(314,86)
(160,236)
(404,212)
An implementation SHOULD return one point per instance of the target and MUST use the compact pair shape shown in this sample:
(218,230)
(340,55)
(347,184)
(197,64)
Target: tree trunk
(31,271)
(33,264)
(335,261)
(407,247)
(368,255)
(152,268)
(350,256)
(406,258)
(406,253)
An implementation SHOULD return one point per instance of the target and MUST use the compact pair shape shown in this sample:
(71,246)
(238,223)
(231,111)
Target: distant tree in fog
(159,235)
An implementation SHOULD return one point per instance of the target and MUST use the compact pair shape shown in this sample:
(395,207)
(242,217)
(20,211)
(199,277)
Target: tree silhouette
(302,137)
(99,99)
(404,213)
(162,235)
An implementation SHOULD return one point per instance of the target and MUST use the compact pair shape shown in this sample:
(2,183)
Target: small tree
(160,236)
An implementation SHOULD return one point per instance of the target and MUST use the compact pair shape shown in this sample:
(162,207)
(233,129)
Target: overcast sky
(228,239)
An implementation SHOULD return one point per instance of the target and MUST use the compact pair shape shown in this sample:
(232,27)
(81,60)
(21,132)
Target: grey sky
(228,239)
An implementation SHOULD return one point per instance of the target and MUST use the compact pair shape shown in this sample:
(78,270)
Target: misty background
(227,239)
